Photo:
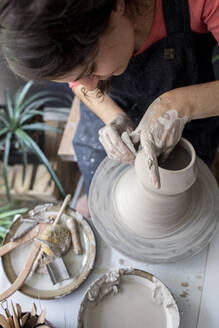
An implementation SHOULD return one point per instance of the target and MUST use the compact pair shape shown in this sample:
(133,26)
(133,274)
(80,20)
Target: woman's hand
(113,137)
(159,131)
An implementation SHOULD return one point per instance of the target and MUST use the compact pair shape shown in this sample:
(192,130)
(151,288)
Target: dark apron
(182,58)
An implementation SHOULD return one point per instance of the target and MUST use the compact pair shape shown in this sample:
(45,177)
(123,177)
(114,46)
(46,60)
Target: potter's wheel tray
(189,239)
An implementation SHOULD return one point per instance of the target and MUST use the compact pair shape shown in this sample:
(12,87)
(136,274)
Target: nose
(90,82)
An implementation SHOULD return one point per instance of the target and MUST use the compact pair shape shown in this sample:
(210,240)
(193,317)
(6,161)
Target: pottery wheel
(188,240)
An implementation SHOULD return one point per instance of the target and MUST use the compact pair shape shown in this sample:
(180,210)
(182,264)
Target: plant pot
(16,157)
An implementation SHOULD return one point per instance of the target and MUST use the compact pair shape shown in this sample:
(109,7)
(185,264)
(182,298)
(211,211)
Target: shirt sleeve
(210,17)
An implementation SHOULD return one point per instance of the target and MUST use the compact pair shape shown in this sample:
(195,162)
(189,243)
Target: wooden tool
(34,252)
(73,227)
(63,207)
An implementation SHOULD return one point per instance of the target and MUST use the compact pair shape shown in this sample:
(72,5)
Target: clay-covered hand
(159,131)
(113,137)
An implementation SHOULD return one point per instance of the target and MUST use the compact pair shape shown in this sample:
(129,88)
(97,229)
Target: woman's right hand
(114,136)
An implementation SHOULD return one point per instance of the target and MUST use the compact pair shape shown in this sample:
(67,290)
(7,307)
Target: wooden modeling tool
(35,252)
(16,318)
(73,227)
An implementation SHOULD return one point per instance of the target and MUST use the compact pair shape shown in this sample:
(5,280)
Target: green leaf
(24,156)
(3,131)
(36,96)
(35,148)
(3,119)
(5,207)
(5,164)
(9,104)
(38,103)
(19,97)
(41,127)
(214,59)
(3,229)
(30,114)
(2,142)
(12,213)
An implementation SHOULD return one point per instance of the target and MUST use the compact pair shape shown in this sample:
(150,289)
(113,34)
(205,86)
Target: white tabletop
(193,282)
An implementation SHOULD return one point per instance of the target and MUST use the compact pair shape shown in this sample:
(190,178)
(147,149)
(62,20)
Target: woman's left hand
(159,131)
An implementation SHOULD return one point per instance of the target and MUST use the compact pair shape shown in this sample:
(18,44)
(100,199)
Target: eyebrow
(89,69)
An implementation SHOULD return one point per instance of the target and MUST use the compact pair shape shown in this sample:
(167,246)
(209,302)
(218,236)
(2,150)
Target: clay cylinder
(151,212)
(177,173)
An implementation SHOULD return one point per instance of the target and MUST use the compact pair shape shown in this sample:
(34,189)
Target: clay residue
(199,277)
(184,294)
(108,284)
(185,284)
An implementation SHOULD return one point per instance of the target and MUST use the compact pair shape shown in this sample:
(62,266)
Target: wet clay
(178,159)
(149,212)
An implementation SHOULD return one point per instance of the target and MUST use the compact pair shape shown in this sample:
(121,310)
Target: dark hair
(45,39)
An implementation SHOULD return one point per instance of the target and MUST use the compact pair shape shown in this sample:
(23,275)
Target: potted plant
(16,126)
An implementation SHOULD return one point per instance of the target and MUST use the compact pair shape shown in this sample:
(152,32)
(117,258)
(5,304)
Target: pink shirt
(204,18)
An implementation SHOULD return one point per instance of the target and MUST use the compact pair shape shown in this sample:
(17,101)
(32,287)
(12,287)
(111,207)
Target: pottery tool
(34,252)
(72,225)
(36,220)
(35,249)
(55,242)
(19,234)
(16,318)
(32,223)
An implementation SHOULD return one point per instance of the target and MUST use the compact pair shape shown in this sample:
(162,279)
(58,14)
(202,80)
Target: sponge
(55,240)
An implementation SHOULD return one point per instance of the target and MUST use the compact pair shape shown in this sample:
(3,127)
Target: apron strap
(176,16)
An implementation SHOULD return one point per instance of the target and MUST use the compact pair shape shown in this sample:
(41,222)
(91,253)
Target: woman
(155,56)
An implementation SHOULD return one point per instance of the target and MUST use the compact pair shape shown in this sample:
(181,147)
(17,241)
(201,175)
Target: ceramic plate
(128,298)
(39,285)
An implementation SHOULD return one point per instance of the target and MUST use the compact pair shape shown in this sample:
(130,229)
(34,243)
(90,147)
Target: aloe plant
(15,122)
(7,212)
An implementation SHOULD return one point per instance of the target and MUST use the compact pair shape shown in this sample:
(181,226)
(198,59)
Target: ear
(120,7)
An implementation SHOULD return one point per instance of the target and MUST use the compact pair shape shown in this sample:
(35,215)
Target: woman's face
(115,49)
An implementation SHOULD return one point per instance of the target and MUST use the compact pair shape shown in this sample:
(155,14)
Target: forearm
(104,107)
(196,101)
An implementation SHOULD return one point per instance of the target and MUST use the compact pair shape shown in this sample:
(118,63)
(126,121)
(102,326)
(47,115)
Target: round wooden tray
(40,285)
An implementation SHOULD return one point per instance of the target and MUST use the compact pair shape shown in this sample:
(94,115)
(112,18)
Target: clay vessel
(152,212)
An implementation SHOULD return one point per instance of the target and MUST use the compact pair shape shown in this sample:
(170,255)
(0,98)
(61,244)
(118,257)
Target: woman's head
(49,39)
